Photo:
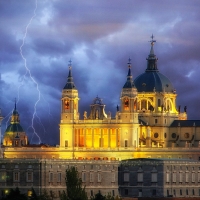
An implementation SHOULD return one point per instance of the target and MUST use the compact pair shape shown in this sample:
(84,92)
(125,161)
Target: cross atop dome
(70,64)
(152,40)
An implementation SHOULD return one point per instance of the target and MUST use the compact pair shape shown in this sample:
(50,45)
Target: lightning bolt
(30,75)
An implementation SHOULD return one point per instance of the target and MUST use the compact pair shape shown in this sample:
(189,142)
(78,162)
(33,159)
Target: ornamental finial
(152,40)
(70,63)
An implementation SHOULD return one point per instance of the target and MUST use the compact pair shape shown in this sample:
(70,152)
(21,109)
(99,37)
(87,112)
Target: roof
(14,128)
(151,81)
(129,82)
(185,123)
(70,82)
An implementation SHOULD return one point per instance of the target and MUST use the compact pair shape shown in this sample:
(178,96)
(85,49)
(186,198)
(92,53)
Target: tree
(99,196)
(15,195)
(74,191)
(33,195)
(45,196)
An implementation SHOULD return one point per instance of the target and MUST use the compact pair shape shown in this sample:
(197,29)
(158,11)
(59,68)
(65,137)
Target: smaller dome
(14,128)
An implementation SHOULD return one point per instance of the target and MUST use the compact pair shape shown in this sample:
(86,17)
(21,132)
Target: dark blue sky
(99,37)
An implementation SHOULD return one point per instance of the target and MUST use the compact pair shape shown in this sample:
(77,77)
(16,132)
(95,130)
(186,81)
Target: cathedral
(147,125)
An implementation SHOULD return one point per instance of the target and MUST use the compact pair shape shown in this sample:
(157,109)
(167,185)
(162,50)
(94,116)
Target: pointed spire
(129,67)
(70,82)
(15,114)
(129,82)
(15,104)
(152,60)
(15,108)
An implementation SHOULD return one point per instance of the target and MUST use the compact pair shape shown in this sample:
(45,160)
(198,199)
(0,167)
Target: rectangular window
(199,177)
(51,177)
(125,143)
(156,121)
(174,192)
(126,191)
(154,192)
(140,177)
(91,193)
(2,176)
(126,177)
(113,193)
(66,143)
(16,176)
(29,176)
(83,176)
(181,192)
(154,177)
(167,177)
(174,177)
(187,177)
(59,177)
(193,177)
(113,177)
(140,193)
(180,177)
(99,177)
(159,103)
(91,177)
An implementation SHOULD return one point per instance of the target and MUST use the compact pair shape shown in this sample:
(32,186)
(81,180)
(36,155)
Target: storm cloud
(99,37)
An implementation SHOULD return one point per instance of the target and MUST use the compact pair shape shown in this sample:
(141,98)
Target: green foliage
(45,196)
(109,197)
(33,195)
(63,196)
(75,191)
(15,195)
(118,198)
(99,196)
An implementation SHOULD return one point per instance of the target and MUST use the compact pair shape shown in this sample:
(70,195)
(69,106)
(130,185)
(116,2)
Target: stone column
(92,130)
(101,134)
(84,134)
(116,133)
(108,137)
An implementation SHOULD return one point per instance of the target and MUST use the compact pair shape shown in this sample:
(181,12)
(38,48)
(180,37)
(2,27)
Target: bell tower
(129,99)
(69,101)
(69,111)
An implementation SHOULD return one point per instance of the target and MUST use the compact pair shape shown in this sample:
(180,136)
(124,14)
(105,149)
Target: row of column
(91,137)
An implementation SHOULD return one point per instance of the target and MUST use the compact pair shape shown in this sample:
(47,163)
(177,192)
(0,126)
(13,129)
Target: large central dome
(152,80)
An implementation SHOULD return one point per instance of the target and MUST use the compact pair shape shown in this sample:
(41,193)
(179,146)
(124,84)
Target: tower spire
(152,60)
(129,82)
(70,83)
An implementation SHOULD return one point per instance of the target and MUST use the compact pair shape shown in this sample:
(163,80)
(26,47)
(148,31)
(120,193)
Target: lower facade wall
(42,174)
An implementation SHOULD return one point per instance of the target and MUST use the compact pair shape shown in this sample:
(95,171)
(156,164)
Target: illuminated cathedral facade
(147,125)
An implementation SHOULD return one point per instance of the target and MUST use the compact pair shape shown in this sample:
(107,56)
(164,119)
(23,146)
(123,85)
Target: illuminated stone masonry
(147,124)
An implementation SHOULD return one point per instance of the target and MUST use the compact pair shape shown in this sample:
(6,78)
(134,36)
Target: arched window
(126,104)
(66,104)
